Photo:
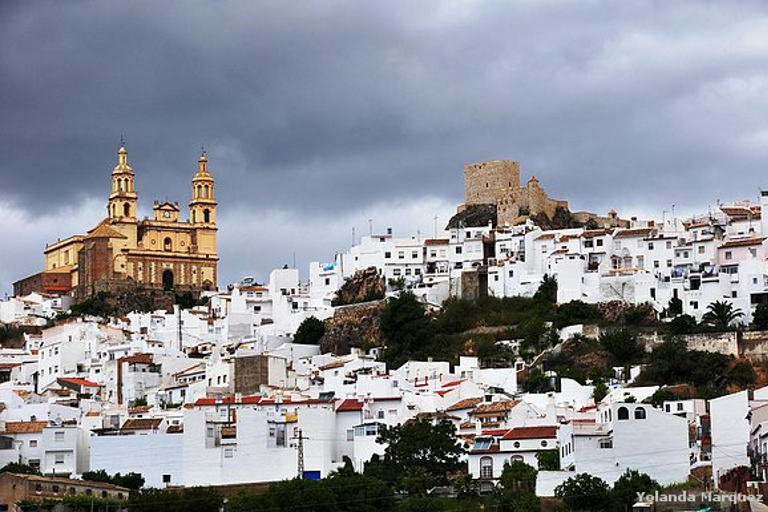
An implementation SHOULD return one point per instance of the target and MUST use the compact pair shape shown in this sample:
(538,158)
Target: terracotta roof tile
(350,404)
(142,424)
(531,433)
(636,232)
(25,427)
(743,243)
(500,406)
(467,403)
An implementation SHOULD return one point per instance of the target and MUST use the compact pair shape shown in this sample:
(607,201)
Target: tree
(682,324)
(626,488)
(742,374)
(622,345)
(359,493)
(675,307)
(577,312)
(760,318)
(405,326)
(720,315)
(199,499)
(15,467)
(419,453)
(585,492)
(130,480)
(309,332)
(547,291)
(518,476)
(549,460)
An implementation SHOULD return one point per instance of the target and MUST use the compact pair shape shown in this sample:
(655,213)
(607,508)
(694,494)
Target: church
(162,252)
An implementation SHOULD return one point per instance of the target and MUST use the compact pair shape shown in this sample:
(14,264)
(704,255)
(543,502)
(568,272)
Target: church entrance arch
(167,279)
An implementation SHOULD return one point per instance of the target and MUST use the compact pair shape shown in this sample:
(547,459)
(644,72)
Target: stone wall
(250,373)
(497,182)
(721,342)
(754,345)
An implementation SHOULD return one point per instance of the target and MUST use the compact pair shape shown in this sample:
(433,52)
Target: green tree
(309,332)
(405,327)
(720,315)
(622,344)
(518,476)
(760,318)
(15,467)
(517,501)
(549,460)
(626,488)
(130,480)
(547,291)
(742,374)
(359,493)
(585,492)
(536,382)
(577,312)
(100,475)
(420,453)
(682,324)
(199,499)
(675,307)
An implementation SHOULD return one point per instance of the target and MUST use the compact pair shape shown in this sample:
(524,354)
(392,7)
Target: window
(229,453)
(417,271)
(734,294)
(728,255)
(650,246)
(606,444)
(59,458)
(350,435)
(407,271)
(544,443)
(669,263)
(414,254)
(589,244)
(458,249)
(387,255)
(669,244)
(166,479)
(396,272)
(401,255)
(327,281)
(486,467)
(58,436)
(380,414)
(55,488)
(701,249)
(667,408)
(640,413)
(517,444)
(694,304)
(33,443)
(623,413)
(655,263)
(680,406)
(599,242)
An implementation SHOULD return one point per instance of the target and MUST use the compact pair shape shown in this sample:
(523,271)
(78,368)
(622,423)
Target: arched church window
(126,210)
(206,216)
(199,191)
(193,217)
(167,244)
(119,184)
(205,192)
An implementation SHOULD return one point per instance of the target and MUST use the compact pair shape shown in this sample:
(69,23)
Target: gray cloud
(321,109)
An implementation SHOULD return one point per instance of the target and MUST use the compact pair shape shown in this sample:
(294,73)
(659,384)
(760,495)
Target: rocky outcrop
(364,286)
(474,216)
(353,326)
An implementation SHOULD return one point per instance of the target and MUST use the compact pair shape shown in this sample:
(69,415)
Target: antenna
(301,439)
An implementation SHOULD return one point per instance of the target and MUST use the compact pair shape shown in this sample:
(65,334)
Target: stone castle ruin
(492,193)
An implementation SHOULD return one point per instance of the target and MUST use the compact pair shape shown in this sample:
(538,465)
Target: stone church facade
(162,252)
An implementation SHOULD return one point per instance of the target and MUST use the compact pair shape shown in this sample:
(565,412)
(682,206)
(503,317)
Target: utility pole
(181,345)
(301,454)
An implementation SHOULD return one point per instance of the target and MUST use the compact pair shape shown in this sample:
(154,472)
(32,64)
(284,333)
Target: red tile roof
(142,424)
(531,433)
(453,383)
(467,403)
(78,382)
(350,404)
(25,427)
(743,243)
(639,232)
(436,241)
(138,358)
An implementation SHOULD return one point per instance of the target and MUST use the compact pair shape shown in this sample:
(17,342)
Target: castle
(162,252)
(493,194)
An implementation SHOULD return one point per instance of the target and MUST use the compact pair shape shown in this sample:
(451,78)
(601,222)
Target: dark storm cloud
(324,108)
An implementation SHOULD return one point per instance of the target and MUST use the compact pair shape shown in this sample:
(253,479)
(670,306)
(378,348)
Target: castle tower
(123,198)
(202,208)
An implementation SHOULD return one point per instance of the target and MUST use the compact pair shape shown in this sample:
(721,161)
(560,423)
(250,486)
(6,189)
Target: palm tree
(720,315)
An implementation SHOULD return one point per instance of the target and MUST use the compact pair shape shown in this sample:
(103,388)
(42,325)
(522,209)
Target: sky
(327,119)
